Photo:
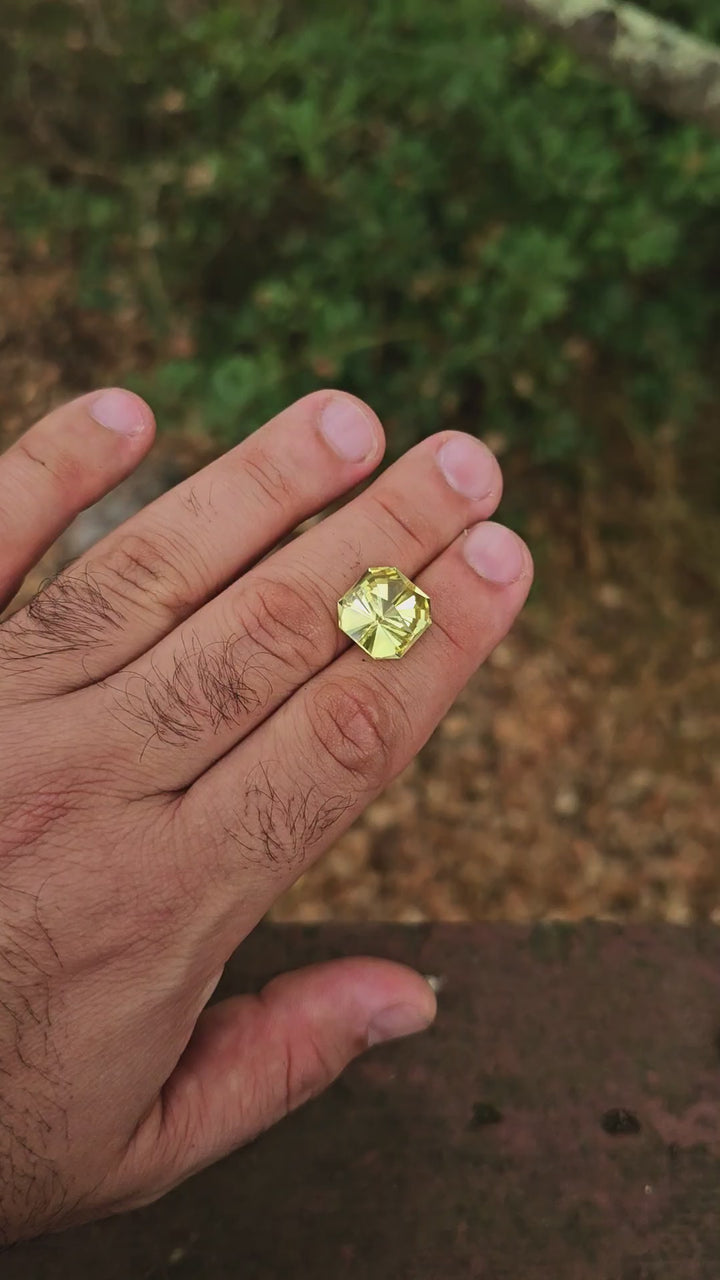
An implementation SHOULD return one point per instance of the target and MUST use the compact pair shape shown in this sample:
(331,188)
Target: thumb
(252,1059)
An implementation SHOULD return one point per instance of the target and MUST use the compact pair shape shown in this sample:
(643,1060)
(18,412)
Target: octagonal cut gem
(384,612)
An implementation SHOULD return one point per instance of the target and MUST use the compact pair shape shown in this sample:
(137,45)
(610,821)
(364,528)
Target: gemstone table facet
(384,612)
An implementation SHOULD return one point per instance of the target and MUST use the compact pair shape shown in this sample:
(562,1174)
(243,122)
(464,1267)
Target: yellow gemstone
(385,613)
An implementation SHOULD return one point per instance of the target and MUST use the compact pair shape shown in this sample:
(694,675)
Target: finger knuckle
(309,1068)
(66,468)
(271,485)
(153,572)
(293,626)
(357,728)
(406,524)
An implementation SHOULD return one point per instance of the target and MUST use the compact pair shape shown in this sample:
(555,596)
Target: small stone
(384,613)
(454,726)
(381,815)
(411,915)
(611,595)
(435,981)
(567,802)
(503,657)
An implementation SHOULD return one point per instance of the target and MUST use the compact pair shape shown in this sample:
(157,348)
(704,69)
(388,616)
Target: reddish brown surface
(480,1151)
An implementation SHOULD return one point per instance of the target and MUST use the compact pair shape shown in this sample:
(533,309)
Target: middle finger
(220,674)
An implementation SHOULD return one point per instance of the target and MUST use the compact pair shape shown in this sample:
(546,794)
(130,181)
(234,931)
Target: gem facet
(384,612)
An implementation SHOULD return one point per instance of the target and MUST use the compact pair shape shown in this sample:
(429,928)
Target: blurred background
(227,204)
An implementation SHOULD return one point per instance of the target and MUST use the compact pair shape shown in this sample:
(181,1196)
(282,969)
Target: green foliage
(424,203)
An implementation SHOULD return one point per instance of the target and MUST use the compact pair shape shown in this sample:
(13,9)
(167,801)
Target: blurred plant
(429,205)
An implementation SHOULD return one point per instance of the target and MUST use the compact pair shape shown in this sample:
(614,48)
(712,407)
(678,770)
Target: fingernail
(399,1020)
(119,411)
(495,553)
(468,466)
(348,431)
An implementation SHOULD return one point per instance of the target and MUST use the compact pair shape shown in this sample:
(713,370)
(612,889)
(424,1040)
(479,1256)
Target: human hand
(183,730)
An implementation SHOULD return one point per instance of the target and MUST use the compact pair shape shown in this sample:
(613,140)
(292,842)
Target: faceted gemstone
(385,613)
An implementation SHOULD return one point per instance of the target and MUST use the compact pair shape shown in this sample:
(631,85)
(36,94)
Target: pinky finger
(69,460)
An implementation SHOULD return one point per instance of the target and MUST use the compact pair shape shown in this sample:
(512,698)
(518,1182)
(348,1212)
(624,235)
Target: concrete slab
(562,1120)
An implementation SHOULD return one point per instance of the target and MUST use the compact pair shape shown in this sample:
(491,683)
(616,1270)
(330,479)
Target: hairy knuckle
(357,728)
(200,687)
(163,703)
(71,611)
(280,816)
(293,626)
(228,689)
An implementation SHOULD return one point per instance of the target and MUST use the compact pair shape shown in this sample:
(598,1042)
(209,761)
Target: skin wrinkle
(278,824)
(31,812)
(7,892)
(267,477)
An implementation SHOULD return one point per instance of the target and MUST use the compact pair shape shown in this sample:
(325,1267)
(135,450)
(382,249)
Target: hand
(183,730)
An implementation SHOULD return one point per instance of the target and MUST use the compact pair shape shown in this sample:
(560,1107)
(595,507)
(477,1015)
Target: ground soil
(579,773)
